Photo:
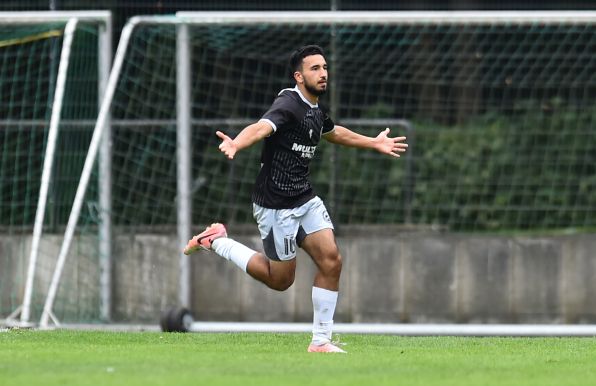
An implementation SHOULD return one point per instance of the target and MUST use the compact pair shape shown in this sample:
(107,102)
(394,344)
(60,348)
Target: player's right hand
(227,145)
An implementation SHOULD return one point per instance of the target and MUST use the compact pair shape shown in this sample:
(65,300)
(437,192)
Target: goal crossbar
(35,17)
(380,17)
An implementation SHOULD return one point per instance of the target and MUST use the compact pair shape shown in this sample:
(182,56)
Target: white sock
(323,302)
(232,250)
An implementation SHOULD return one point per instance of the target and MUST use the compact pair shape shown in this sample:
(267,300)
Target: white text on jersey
(307,151)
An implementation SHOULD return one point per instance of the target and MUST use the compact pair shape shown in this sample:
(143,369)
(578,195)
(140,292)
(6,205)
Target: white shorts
(283,229)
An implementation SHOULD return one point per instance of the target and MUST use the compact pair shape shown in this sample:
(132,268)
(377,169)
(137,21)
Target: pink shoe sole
(327,348)
(204,239)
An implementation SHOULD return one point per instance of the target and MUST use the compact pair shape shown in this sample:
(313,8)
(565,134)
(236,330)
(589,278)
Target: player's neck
(313,99)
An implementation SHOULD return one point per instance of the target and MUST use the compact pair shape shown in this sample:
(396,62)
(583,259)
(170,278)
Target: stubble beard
(314,90)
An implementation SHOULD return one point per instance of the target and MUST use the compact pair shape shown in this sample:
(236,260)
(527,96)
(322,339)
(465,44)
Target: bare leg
(277,275)
(323,250)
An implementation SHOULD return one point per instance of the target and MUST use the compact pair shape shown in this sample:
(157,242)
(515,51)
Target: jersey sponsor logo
(307,151)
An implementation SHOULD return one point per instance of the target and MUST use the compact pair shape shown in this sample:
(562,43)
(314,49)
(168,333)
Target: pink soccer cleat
(325,347)
(204,239)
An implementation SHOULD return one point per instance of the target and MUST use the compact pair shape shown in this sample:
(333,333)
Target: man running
(288,212)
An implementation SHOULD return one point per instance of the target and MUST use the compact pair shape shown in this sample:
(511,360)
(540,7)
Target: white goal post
(72,19)
(183,74)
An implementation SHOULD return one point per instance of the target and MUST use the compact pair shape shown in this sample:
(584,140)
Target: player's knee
(283,283)
(332,264)
(337,264)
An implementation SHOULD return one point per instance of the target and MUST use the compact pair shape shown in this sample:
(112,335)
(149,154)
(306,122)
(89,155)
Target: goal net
(499,108)
(48,99)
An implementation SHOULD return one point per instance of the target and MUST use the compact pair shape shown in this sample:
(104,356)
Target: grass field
(110,358)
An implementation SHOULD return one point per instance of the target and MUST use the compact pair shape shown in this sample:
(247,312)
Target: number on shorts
(290,245)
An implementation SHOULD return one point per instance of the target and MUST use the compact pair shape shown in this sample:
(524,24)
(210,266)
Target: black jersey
(298,125)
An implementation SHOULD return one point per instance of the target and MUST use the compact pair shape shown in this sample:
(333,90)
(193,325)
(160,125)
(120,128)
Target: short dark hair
(301,53)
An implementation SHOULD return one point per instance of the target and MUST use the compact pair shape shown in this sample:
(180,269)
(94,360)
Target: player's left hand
(227,145)
(390,146)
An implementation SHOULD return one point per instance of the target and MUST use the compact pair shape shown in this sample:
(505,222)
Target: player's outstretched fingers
(222,136)
(227,145)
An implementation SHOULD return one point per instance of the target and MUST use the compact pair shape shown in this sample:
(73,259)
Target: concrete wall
(78,295)
(421,278)
(388,276)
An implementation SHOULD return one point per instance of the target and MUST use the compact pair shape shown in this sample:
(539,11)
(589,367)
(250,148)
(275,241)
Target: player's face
(314,74)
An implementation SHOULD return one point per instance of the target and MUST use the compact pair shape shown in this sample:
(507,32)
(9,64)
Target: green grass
(108,358)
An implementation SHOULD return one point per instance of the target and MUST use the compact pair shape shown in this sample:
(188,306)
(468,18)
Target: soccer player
(287,210)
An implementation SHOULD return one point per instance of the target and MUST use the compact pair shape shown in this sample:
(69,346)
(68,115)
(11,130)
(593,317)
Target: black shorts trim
(269,246)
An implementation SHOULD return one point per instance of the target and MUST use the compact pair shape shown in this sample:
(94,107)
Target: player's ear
(298,77)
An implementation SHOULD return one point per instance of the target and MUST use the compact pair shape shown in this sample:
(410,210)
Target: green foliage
(532,169)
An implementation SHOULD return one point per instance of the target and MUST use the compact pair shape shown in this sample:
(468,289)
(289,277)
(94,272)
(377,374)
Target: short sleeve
(279,114)
(328,124)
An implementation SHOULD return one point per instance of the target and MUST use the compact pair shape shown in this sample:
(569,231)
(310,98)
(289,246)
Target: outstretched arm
(381,143)
(248,136)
